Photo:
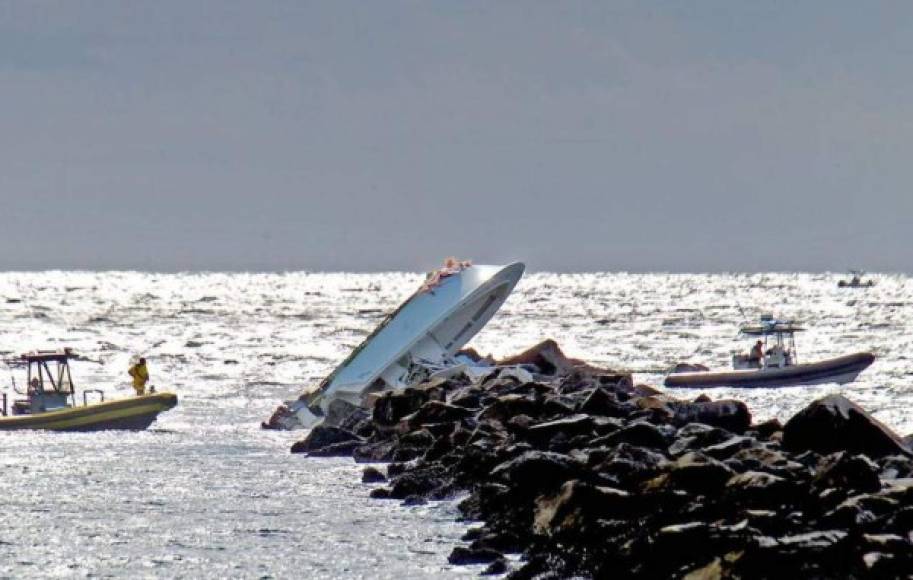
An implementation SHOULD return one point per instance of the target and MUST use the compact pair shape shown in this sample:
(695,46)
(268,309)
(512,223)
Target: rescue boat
(49,401)
(778,366)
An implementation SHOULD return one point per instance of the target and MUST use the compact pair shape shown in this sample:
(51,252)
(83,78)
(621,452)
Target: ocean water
(206,493)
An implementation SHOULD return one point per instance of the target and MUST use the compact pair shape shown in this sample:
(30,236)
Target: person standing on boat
(140,375)
(757,353)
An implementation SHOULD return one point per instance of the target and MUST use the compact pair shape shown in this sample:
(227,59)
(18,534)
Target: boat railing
(4,402)
(85,393)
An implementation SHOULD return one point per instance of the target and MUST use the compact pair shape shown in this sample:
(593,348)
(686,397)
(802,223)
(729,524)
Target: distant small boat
(777,366)
(417,340)
(49,402)
(856,281)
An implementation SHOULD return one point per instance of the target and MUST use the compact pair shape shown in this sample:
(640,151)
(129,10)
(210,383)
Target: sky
(574,136)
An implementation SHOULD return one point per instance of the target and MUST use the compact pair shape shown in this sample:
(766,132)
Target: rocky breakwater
(581,473)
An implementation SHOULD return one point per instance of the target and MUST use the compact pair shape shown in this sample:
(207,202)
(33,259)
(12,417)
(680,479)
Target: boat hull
(839,370)
(134,414)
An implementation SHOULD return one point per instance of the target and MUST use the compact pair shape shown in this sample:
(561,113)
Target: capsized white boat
(776,364)
(419,338)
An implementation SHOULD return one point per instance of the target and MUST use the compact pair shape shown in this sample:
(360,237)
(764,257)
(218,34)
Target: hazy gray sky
(684,136)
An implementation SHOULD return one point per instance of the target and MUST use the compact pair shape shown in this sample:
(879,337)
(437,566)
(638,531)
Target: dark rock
(372,475)
(421,438)
(538,471)
(858,511)
(896,466)
(380,493)
(345,415)
(499,566)
(727,414)
(437,412)
(376,452)
(693,472)
(603,403)
(568,426)
(729,447)
(900,521)
(418,481)
(759,489)
(322,436)
(767,428)
(393,406)
(639,434)
(412,500)
(470,398)
(557,406)
(504,541)
(576,504)
(507,406)
(849,472)
(462,556)
(627,464)
(341,449)
(834,423)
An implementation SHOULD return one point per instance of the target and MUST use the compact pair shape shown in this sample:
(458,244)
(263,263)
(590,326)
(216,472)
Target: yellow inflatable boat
(50,401)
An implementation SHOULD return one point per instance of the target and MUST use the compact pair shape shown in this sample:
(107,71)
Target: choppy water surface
(206,493)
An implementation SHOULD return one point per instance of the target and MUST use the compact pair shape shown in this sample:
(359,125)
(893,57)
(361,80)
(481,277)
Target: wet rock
(393,406)
(558,406)
(497,567)
(767,428)
(418,481)
(372,475)
(639,434)
(511,405)
(462,556)
(729,447)
(576,504)
(849,472)
(569,427)
(503,541)
(376,452)
(603,403)
(469,398)
(437,412)
(896,467)
(834,423)
(759,489)
(697,436)
(693,472)
(322,436)
(628,464)
(341,449)
(726,414)
(345,415)
(858,511)
(538,471)
(380,493)
(421,438)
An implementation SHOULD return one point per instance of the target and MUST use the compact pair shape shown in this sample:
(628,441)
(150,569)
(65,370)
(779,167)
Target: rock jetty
(581,473)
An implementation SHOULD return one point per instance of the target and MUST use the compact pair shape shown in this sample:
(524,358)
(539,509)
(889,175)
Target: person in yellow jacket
(140,375)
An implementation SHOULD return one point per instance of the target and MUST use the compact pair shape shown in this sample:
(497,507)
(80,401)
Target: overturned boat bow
(417,340)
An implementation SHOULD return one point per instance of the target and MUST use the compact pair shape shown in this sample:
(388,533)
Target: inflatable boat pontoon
(776,365)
